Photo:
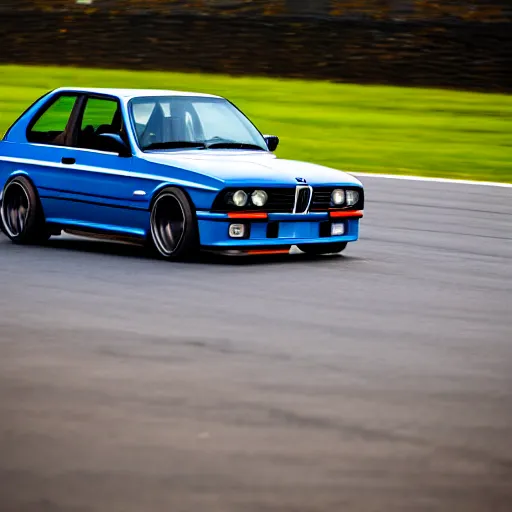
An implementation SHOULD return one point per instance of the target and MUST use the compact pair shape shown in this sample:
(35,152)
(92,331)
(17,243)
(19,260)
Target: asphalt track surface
(380,380)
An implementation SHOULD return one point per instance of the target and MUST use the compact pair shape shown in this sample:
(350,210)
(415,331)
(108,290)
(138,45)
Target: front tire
(21,213)
(319,249)
(174,231)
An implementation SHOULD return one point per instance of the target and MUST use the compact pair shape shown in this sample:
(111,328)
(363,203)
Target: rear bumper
(278,230)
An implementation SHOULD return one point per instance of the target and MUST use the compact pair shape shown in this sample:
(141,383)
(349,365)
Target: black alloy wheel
(22,216)
(174,232)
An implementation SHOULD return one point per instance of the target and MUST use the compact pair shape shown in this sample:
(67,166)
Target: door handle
(68,161)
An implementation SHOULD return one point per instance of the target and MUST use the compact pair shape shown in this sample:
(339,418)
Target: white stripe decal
(435,180)
(85,150)
(102,170)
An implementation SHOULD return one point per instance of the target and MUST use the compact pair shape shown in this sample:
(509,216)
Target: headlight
(352,197)
(240,198)
(259,198)
(338,196)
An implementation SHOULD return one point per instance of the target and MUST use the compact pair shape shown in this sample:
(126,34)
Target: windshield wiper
(235,145)
(174,144)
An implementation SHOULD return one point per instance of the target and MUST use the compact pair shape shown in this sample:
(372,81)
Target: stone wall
(445,53)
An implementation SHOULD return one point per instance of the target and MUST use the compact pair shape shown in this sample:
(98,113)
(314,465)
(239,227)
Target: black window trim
(86,96)
(75,117)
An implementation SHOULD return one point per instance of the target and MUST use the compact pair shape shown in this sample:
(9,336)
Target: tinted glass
(50,127)
(99,112)
(168,119)
(101,115)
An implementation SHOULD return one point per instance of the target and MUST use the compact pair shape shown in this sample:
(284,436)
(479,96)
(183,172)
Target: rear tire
(319,249)
(174,232)
(21,213)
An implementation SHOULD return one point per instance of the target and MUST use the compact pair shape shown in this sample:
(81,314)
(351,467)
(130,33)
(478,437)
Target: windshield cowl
(158,146)
(155,146)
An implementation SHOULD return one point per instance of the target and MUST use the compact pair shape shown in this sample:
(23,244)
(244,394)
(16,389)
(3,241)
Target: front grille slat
(321,198)
(303,197)
(281,200)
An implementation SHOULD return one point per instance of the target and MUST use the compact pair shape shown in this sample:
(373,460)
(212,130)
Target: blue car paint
(106,192)
(214,233)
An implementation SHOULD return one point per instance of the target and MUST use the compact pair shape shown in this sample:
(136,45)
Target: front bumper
(277,230)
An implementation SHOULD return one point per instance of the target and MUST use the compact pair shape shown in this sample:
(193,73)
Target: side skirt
(96,234)
(132,240)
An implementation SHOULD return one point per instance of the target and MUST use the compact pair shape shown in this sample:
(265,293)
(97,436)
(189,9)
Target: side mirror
(114,143)
(272,142)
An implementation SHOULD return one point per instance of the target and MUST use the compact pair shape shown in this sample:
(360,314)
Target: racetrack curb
(434,180)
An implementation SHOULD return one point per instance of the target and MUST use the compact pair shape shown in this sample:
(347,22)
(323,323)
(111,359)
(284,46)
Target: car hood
(235,167)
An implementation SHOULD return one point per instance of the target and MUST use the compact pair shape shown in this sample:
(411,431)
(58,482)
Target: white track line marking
(435,180)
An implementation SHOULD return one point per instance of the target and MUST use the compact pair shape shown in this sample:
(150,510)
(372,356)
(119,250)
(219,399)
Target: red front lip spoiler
(354,214)
(267,252)
(248,215)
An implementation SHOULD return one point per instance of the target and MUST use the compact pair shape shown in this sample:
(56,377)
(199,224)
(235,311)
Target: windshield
(170,122)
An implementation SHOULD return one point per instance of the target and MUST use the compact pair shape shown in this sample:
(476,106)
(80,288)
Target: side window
(50,128)
(100,116)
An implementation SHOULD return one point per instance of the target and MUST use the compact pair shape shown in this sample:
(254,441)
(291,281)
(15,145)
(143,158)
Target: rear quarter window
(53,121)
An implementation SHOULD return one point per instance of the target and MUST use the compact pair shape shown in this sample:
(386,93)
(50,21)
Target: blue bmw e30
(177,171)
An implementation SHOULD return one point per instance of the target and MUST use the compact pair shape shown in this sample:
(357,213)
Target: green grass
(352,127)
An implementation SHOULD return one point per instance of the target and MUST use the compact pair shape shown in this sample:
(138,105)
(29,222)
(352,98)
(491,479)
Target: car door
(48,139)
(98,186)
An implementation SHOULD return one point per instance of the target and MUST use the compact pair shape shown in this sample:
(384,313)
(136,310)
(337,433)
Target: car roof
(132,93)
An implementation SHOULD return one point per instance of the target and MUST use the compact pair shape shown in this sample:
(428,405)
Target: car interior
(89,137)
(182,125)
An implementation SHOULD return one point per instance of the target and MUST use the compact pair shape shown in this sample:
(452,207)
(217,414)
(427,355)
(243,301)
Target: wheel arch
(22,174)
(163,186)
(17,174)
(34,224)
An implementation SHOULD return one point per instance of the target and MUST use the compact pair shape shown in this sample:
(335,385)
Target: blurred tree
(308,6)
(402,7)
